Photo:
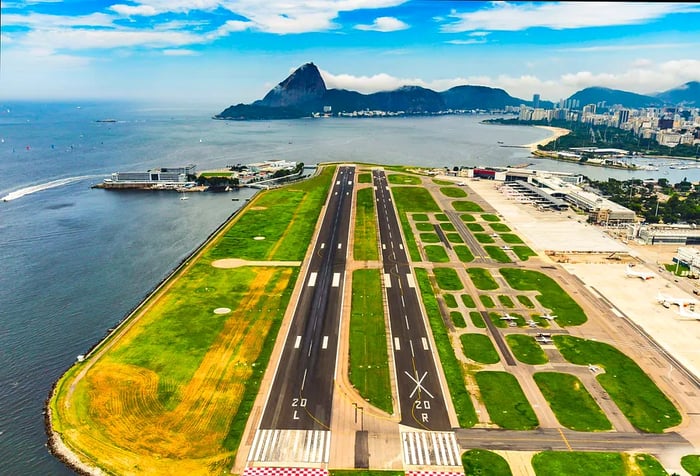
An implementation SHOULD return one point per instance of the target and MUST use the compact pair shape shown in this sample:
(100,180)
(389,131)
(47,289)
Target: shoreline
(557,132)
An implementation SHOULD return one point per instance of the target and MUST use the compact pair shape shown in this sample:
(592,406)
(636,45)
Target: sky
(223,52)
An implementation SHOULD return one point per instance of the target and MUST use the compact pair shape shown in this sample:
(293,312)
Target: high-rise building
(623,117)
(535,101)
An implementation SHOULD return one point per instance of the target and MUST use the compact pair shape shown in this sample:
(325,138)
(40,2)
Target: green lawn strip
(466,206)
(364,472)
(216,174)
(487,301)
(429,238)
(526,349)
(482,279)
(506,301)
(441,217)
(403,179)
(466,217)
(450,300)
(475,227)
(511,239)
(468,300)
(523,252)
(505,401)
(458,319)
(368,366)
(448,279)
(454,238)
(463,253)
(499,227)
(580,463)
(551,296)
(484,238)
(442,182)
(637,396)
(408,200)
(571,403)
(483,462)
(479,348)
(364,177)
(453,192)
(525,301)
(490,217)
(286,217)
(649,465)
(447,226)
(436,253)
(420,217)
(466,415)
(497,254)
(477,320)
(365,247)
(691,463)
(423,226)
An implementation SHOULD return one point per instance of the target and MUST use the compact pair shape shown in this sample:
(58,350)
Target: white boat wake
(45,186)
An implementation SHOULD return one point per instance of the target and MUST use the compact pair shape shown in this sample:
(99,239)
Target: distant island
(304,94)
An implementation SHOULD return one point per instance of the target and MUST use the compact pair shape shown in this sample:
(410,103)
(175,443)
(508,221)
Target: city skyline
(223,52)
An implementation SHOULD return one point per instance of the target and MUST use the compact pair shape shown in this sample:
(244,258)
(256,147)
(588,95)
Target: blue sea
(75,260)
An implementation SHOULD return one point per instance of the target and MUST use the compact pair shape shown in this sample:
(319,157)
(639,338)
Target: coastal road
(419,388)
(297,416)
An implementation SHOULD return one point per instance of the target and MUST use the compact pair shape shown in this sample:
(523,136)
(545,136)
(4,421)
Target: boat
(183,196)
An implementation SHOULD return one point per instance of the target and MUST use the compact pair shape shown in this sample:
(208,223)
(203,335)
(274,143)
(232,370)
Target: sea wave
(45,186)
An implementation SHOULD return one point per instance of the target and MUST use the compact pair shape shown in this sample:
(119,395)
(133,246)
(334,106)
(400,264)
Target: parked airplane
(532,323)
(678,301)
(494,235)
(544,338)
(506,248)
(631,273)
(593,368)
(683,312)
(508,317)
(548,316)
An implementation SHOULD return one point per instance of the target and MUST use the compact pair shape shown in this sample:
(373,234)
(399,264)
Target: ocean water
(75,260)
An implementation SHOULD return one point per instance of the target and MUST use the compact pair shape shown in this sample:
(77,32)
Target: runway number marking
(298,402)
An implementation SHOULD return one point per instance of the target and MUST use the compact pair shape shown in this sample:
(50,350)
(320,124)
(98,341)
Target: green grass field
(364,177)
(637,396)
(475,227)
(458,319)
(454,238)
(525,301)
(511,239)
(447,226)
(423,226)
(420,217)
(453,192)
(573,406)
(466,414)
(506,301)
(466,206)
(490,217)
(441,217)
(526,349)
(442,182)
(482,279)
(502,323)
(463,253)
(552,296)
(691,463)
(483,238)
(487,301)
(447,279)
(429,238)
(368,366)
(484,463)
(579,463)
(499,227)
(477,320)
(436,253)
(468,300)
(403,179)
(450,300)
(410,200)
(523,252)
(497,254)
(505,401)
(466,217)
(365,247)
(479,348)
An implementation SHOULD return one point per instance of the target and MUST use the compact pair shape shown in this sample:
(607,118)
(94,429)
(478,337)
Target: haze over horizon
(224,52)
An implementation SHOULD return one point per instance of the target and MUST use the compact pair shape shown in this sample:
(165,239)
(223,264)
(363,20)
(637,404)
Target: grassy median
(365,227)
(579,463)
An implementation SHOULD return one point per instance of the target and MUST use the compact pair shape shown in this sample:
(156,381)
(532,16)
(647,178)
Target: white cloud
(384,24)
(629,47)
(470,41)
(179,52)
(129,10)
(504,16)
(83,39)
(42,21)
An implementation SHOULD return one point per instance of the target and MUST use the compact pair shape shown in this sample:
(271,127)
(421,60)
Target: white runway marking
(397,344)
(290,446)
(430,448)
(312,279)
(325,342)
(336,280)
(297,342)
(425,343)
(387,280)
(411,282)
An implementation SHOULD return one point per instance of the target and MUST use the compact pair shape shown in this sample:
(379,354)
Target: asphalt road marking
(323,245)
(430,449)
(425,343)
(340,245)
(336,280)
(290,446)
(397,344)
(387,280)
(411,282)
(297,342)
(400,246)
(325,342)
(312,279)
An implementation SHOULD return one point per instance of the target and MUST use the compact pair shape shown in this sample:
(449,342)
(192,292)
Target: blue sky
(222,52)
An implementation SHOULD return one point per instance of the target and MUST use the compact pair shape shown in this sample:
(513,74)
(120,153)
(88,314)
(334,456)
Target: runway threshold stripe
(387,280)
(426,448)
(327,452)
(297,342)
(325,342)
(336,280)
(436,452)
(397,343)
(312,279)
(411,282)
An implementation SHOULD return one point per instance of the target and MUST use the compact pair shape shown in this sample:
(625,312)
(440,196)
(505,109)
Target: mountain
(304,93)
(687,94)
(611,97)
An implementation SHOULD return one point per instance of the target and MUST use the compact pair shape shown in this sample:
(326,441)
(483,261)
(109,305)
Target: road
(419,388)
(301,395)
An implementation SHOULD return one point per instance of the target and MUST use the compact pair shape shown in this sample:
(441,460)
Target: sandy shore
(556,133)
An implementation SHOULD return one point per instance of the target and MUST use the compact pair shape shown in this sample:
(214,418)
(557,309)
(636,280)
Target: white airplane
(532,323)
(494,235)
(678,301)
(506,248)
(593,368)
(543,339)
(548,316)
(631,273)
(508,317)
(683,312)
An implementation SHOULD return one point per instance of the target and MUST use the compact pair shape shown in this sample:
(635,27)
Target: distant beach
(556,133)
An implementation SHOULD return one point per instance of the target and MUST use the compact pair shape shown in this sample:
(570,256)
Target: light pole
(362,416)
